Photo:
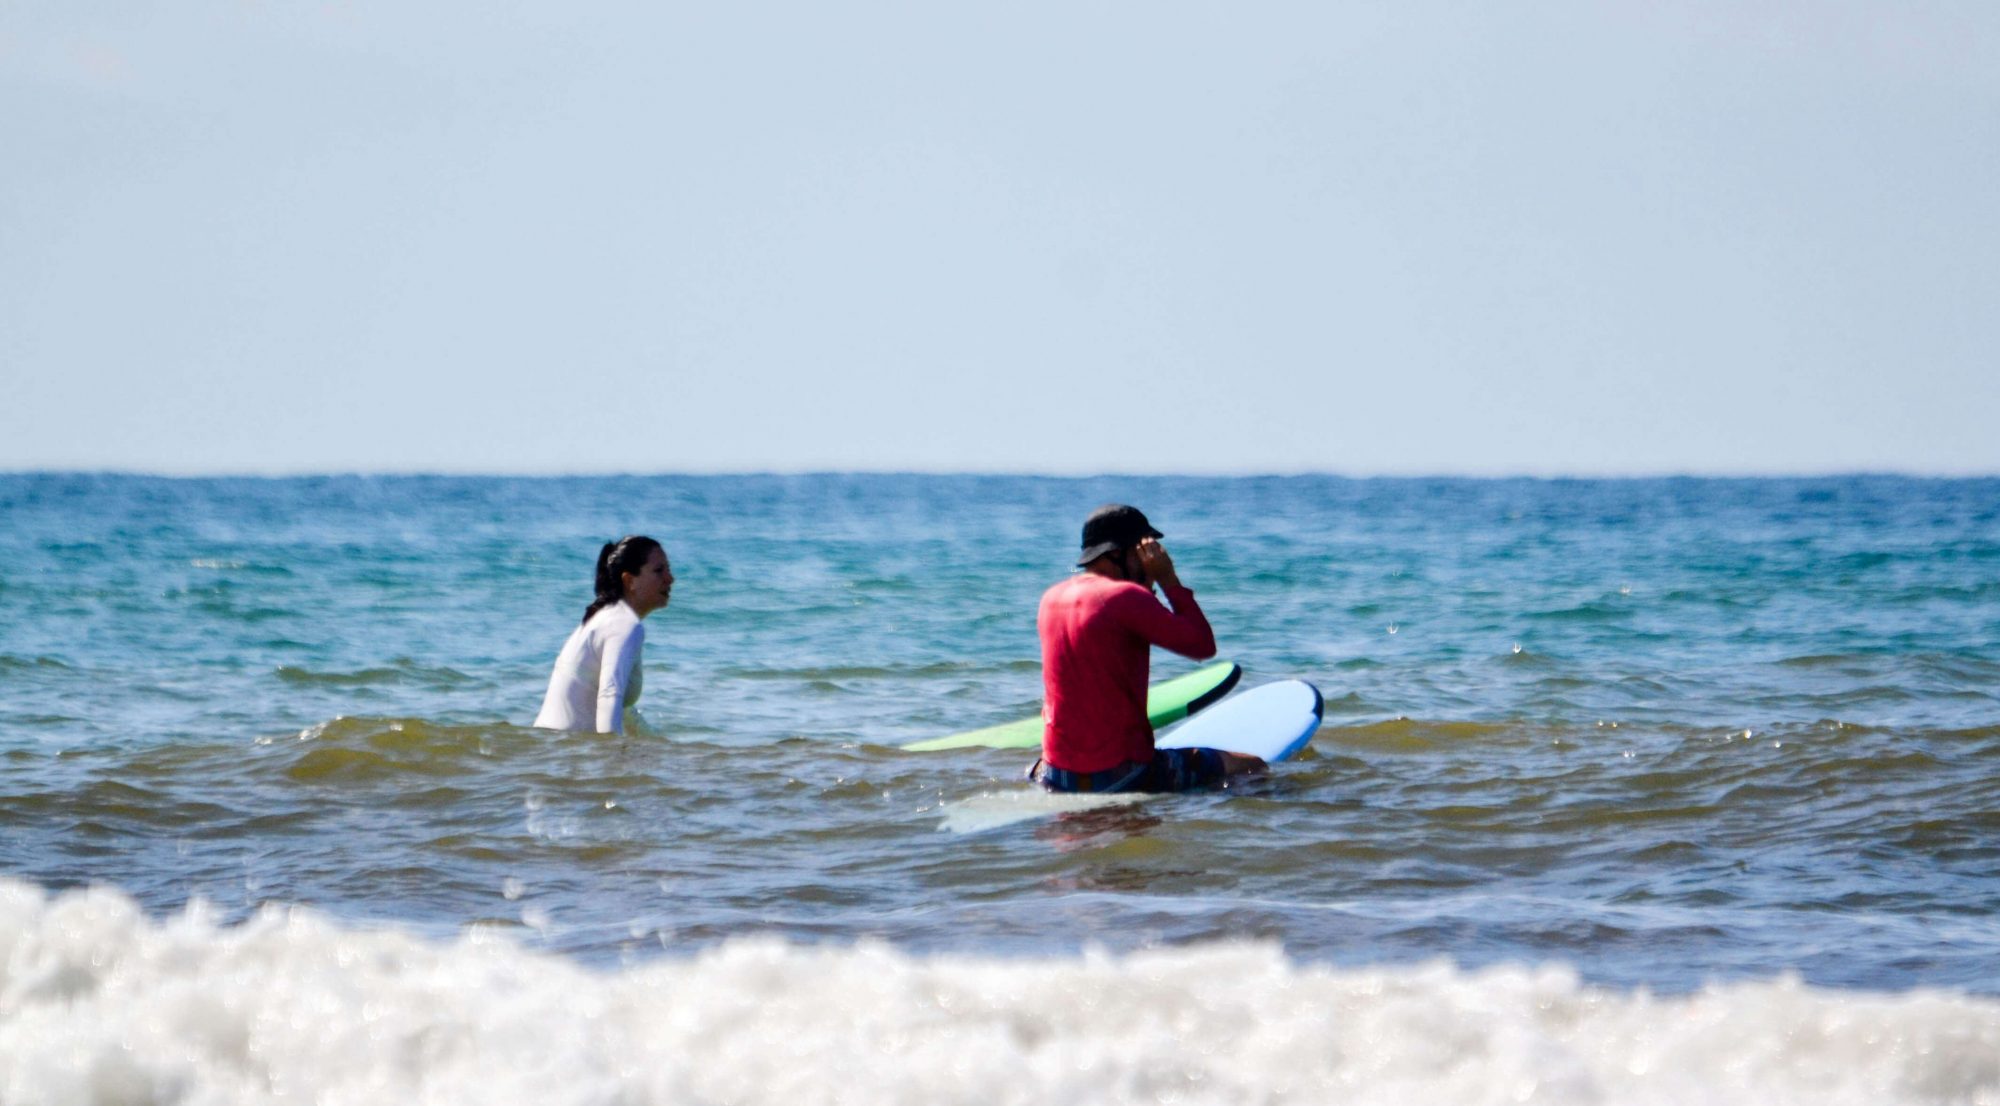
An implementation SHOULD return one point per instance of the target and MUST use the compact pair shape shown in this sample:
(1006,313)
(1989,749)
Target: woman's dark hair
(627,554)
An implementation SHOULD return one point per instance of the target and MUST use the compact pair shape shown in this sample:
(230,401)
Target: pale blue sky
(1619,237)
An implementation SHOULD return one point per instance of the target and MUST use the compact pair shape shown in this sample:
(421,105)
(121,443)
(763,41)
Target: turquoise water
(1658,733)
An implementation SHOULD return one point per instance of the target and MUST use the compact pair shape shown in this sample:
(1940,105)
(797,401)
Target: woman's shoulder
(617,620)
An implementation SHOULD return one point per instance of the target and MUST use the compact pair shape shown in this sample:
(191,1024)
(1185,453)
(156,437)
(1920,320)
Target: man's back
(1097,634)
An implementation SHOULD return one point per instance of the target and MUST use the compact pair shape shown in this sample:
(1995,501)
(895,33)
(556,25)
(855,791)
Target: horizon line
(810,471)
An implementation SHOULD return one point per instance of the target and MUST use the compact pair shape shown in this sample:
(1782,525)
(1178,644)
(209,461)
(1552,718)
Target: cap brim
(1103,547)
(1096,551)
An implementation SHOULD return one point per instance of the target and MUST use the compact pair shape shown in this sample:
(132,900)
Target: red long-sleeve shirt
(1097,634)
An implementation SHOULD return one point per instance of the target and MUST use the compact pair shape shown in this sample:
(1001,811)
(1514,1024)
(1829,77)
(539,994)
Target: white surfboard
(1273,722)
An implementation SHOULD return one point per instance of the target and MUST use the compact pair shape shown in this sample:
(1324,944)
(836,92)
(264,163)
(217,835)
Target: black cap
(1111,528)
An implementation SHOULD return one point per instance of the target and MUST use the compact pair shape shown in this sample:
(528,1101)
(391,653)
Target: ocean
(1629,791)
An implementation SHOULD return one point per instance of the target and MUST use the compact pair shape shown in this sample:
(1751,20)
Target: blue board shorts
(1169,770)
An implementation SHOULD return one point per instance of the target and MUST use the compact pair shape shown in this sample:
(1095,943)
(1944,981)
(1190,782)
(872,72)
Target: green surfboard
(1167,701)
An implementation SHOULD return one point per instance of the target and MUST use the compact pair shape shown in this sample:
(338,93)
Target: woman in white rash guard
(597,674)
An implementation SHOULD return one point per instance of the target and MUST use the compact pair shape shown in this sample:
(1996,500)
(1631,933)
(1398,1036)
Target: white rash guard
(597,674)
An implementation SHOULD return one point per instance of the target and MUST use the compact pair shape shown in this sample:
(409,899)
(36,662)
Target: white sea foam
(990,810)
(98,1004)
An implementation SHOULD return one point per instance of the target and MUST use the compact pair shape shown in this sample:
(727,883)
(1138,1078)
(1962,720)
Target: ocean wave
(371,749)
(1594,611)
(400,671)
(12,663)
(825,673)
(99,1004)
(1410,734)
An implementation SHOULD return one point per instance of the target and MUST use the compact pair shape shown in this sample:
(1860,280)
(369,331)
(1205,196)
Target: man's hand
(1159,566)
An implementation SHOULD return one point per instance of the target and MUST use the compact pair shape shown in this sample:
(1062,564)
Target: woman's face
(647,590)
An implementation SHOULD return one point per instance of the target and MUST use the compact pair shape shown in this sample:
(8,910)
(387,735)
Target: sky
(1557,238)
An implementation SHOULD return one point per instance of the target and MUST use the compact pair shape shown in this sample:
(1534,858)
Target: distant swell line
(366,677)
(880,672)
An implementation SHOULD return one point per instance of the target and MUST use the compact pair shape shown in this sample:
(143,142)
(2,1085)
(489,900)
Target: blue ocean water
(1659,736)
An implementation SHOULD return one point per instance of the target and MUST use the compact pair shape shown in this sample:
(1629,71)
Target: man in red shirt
(1098,628)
